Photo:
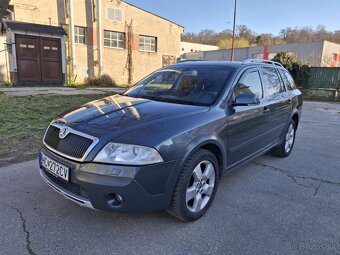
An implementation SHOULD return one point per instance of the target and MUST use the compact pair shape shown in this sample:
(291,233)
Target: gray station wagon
(165,143)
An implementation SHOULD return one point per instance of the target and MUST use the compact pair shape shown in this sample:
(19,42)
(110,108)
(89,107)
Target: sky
(261,16)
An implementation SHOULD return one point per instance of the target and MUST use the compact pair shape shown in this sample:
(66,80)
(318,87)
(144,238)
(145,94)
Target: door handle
(266,111)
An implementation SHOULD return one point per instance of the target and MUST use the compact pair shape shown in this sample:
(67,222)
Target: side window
(272,80)
(288,80)
(250,83)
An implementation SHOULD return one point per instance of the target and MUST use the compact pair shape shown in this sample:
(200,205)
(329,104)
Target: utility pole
(72,41)
(100,38)
(233,39)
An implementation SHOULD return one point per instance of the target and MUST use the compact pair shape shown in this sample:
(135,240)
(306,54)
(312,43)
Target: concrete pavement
(270,206)
(41,91)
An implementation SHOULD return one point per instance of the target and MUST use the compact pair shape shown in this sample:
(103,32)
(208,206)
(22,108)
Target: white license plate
(55,167)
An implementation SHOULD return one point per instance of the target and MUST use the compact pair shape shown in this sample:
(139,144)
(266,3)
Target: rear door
(50,60)
(279,103)
(247,125)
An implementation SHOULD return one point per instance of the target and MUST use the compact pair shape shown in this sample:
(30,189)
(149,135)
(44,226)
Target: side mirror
(246,99)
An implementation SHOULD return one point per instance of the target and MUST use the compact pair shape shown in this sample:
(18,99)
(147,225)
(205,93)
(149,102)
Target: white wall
(312,53)
(4,72)
(196,47)
(329,50)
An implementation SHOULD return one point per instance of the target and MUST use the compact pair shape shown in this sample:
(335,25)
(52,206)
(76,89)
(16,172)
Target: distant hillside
(246,37)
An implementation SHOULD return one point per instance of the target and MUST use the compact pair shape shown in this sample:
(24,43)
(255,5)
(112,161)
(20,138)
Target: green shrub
(298,70)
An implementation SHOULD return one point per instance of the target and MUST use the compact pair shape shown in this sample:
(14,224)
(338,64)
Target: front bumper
(66,193)
(142,188)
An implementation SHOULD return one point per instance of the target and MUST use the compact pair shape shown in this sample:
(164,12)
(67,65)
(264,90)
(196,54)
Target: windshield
(188,85)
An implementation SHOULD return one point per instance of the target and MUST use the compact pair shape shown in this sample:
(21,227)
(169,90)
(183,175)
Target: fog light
(115,200)
(119,198)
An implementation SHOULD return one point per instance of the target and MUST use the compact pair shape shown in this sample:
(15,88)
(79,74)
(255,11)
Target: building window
(147,43)
(114,39)
(80,35)
(114,14)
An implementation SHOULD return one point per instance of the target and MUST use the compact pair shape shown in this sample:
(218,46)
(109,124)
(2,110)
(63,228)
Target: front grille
(72,145)
(69,186)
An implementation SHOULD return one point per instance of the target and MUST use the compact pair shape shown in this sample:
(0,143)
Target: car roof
(234,64)
(208,63)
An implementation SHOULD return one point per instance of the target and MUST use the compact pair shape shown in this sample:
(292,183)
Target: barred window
(114,39)
(80,35)
(147,43)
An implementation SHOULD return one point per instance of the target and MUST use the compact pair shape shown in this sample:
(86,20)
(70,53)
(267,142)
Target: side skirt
(237,165)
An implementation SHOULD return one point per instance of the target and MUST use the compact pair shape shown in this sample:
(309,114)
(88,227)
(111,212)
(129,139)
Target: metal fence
(319,78)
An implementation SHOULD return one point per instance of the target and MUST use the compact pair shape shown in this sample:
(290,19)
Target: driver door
(247,125)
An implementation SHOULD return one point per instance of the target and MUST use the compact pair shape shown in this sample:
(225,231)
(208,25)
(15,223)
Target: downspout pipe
(73,52)
(99,38)
(12,14)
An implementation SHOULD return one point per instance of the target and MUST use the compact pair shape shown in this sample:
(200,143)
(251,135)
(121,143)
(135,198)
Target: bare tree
(244,34)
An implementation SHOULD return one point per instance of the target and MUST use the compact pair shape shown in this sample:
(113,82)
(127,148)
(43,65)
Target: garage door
(38,59)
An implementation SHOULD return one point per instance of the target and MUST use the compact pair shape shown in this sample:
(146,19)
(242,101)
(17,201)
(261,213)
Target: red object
(334,63)
(265,51)
(168,60)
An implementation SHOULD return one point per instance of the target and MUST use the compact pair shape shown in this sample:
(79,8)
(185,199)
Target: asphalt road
(270,206)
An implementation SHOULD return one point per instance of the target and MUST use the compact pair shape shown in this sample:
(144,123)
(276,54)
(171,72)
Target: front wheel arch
(201,143)
(295,117)
(182,196)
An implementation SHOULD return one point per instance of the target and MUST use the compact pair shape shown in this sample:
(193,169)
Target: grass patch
(6,85)
(125,86)
(23,121)
(36,85)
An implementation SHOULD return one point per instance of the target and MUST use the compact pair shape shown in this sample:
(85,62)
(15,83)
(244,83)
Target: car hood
(122,112)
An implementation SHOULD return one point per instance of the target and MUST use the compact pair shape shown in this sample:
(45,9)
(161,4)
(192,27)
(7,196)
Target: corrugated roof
(30,27)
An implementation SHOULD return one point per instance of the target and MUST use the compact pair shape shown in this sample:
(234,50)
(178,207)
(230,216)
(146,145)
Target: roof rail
(189,60)
(264,61)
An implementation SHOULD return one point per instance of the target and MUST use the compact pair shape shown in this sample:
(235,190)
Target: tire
(196,186)
(285,148)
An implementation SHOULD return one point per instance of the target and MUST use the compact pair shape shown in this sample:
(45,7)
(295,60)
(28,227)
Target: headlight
(127,154)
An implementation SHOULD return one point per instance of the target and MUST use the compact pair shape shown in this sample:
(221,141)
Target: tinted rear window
(288,80)
(272,80)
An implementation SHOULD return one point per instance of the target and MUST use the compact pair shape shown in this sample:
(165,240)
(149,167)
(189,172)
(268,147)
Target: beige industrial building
(196,47)
(70,40)
(321,53)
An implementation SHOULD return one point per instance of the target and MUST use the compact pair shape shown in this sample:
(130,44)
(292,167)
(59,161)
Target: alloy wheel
(289,139)
(200,186)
